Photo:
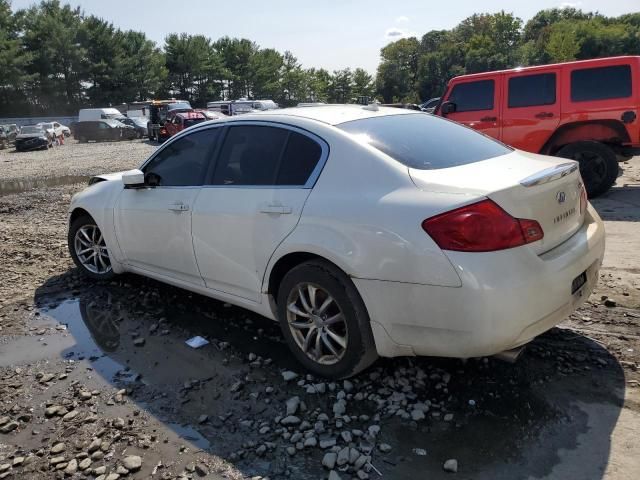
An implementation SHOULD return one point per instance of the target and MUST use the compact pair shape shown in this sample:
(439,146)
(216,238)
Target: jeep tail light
(481,227)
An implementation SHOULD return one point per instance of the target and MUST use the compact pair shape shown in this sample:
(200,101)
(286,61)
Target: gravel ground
(96,381)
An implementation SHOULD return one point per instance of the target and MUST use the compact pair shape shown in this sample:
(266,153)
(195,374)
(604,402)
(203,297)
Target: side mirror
(447,107)
(133,179)
(152,179)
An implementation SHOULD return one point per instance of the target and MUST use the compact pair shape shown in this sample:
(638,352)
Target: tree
(397,72)
(341,86)
(363,84)
(563,43)
(13,62)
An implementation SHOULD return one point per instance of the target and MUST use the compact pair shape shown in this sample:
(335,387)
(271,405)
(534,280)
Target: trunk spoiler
(550,174)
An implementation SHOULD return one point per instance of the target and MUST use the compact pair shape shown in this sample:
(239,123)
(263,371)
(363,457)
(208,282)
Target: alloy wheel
(317,323)
(91,249)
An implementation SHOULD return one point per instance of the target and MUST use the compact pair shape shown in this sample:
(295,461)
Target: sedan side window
(299,160)
(250,155)
(184,162)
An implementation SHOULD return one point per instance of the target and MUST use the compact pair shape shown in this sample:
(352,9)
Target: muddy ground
(96,380)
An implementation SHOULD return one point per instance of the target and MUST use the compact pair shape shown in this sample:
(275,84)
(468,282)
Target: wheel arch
(611,132)
(77,213)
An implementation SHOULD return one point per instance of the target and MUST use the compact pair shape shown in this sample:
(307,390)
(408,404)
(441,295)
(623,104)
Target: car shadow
(551,412)
(620,203)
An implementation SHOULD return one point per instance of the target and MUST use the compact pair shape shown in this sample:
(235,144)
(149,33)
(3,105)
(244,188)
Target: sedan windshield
(423,141)
(31,130)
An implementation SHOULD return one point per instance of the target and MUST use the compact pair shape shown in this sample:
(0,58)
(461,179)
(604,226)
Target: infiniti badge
(561,197)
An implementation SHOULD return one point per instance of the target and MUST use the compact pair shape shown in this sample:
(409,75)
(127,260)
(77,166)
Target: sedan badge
(561,197)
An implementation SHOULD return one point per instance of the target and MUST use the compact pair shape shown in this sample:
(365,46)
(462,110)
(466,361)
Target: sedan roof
(334,114)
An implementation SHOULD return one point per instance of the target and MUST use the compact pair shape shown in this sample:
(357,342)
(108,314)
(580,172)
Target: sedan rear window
(423,141)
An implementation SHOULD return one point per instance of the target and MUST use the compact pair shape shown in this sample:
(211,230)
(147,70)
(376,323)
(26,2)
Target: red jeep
(176,122)
(586,110)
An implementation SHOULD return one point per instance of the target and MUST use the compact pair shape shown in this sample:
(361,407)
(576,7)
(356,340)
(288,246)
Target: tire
(598,165)
(99,269)
(359,350)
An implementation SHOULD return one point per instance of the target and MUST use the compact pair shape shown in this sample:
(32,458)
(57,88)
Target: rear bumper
(506,299)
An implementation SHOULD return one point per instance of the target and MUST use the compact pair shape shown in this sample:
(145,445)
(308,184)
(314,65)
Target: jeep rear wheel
(598,165)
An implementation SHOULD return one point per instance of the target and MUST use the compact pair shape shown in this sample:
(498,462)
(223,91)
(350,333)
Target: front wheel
(324,320)
(88,248)
(598,165)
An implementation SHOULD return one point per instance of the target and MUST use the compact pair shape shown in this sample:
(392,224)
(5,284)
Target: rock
(95,445)
(290,420)
(84,464)
(347,386)
(362,475)
(72,467)
(132,463)
(448,417)
(120,470)
(421,452)
(333,475)
(329,460)
(339,408)
(360,462)
(327,443)
(353,455)
(112,476)
(70,416)
(343,456)
(100,470)
(58,447)
(17,461)
(4,420)
(292,405)
(288,375)
(311,442)
(203,418)
(384,447)
(4,467)
(236,387)
(417,415)
(451,465)
(84,395)
(472,403)
(56,460)
(291,451)
(139,342)
(261,450)
(202,470)
(346,436)
(9,427)
(51,411)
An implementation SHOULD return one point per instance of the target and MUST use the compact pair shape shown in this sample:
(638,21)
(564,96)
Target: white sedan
(365,231)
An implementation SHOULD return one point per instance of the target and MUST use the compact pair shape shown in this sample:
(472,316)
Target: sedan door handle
(544,115)
(278,209)
(489,119)
(179,207)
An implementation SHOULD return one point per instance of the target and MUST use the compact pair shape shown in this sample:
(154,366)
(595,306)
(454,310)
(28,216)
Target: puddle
(8,187)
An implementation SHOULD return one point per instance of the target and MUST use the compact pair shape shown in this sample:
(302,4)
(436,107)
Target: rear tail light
(481,227)
(583,199)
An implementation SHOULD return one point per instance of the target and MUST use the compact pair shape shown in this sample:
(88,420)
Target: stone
(94,445)
(290,420)
(70,416)
(236,387)
(113,476)
(362,475)
(384,447)
(448,417)
(17,461)
(51,411)
(292,405)
(84,464)
(339,408)
(4,467)
(310,442)
(56,460)
(288,375)
(132,463)
(58,447)
(451,465)
(329,460)
(343,456)
(203,418)
(202,470)
(361,462)
(9,427)
(100,470)
(346,436)
(72,467)
(327,443)
(354,454)
(291,451)
(417,415)
(333,475)
(84,395)
(4,420)
(139,342)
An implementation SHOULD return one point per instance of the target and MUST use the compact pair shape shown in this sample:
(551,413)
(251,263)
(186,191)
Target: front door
(254,199)
(477,105)
(153,225)
(531,112)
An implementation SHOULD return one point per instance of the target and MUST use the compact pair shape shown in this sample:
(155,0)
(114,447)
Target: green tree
(563,44)
(397,72)
(13,63)
(363,83)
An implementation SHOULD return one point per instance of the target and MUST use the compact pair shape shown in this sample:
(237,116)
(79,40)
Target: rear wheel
(324,320)
(598,165)
(88,248)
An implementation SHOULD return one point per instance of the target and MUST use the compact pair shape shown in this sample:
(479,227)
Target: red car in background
(585,110)
(176,122)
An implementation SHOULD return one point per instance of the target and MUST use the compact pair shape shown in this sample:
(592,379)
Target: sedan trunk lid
(525,185)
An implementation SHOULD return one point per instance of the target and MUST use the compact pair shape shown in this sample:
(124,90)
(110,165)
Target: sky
(332,34)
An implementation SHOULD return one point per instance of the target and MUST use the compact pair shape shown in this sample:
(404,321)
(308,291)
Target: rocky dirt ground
(96,381)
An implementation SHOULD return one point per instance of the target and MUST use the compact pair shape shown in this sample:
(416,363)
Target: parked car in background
(8,134)
(586,111)
(138,123)
(176,122)
(56,128)
(103,130)
(158,112)
(365,231)
(209,114)
(430,105)
(241,107)
(89,114)
(33,137)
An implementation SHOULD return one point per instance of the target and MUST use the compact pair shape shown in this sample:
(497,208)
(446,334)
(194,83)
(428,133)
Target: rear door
(477,104)
(263,175)
(531,108)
